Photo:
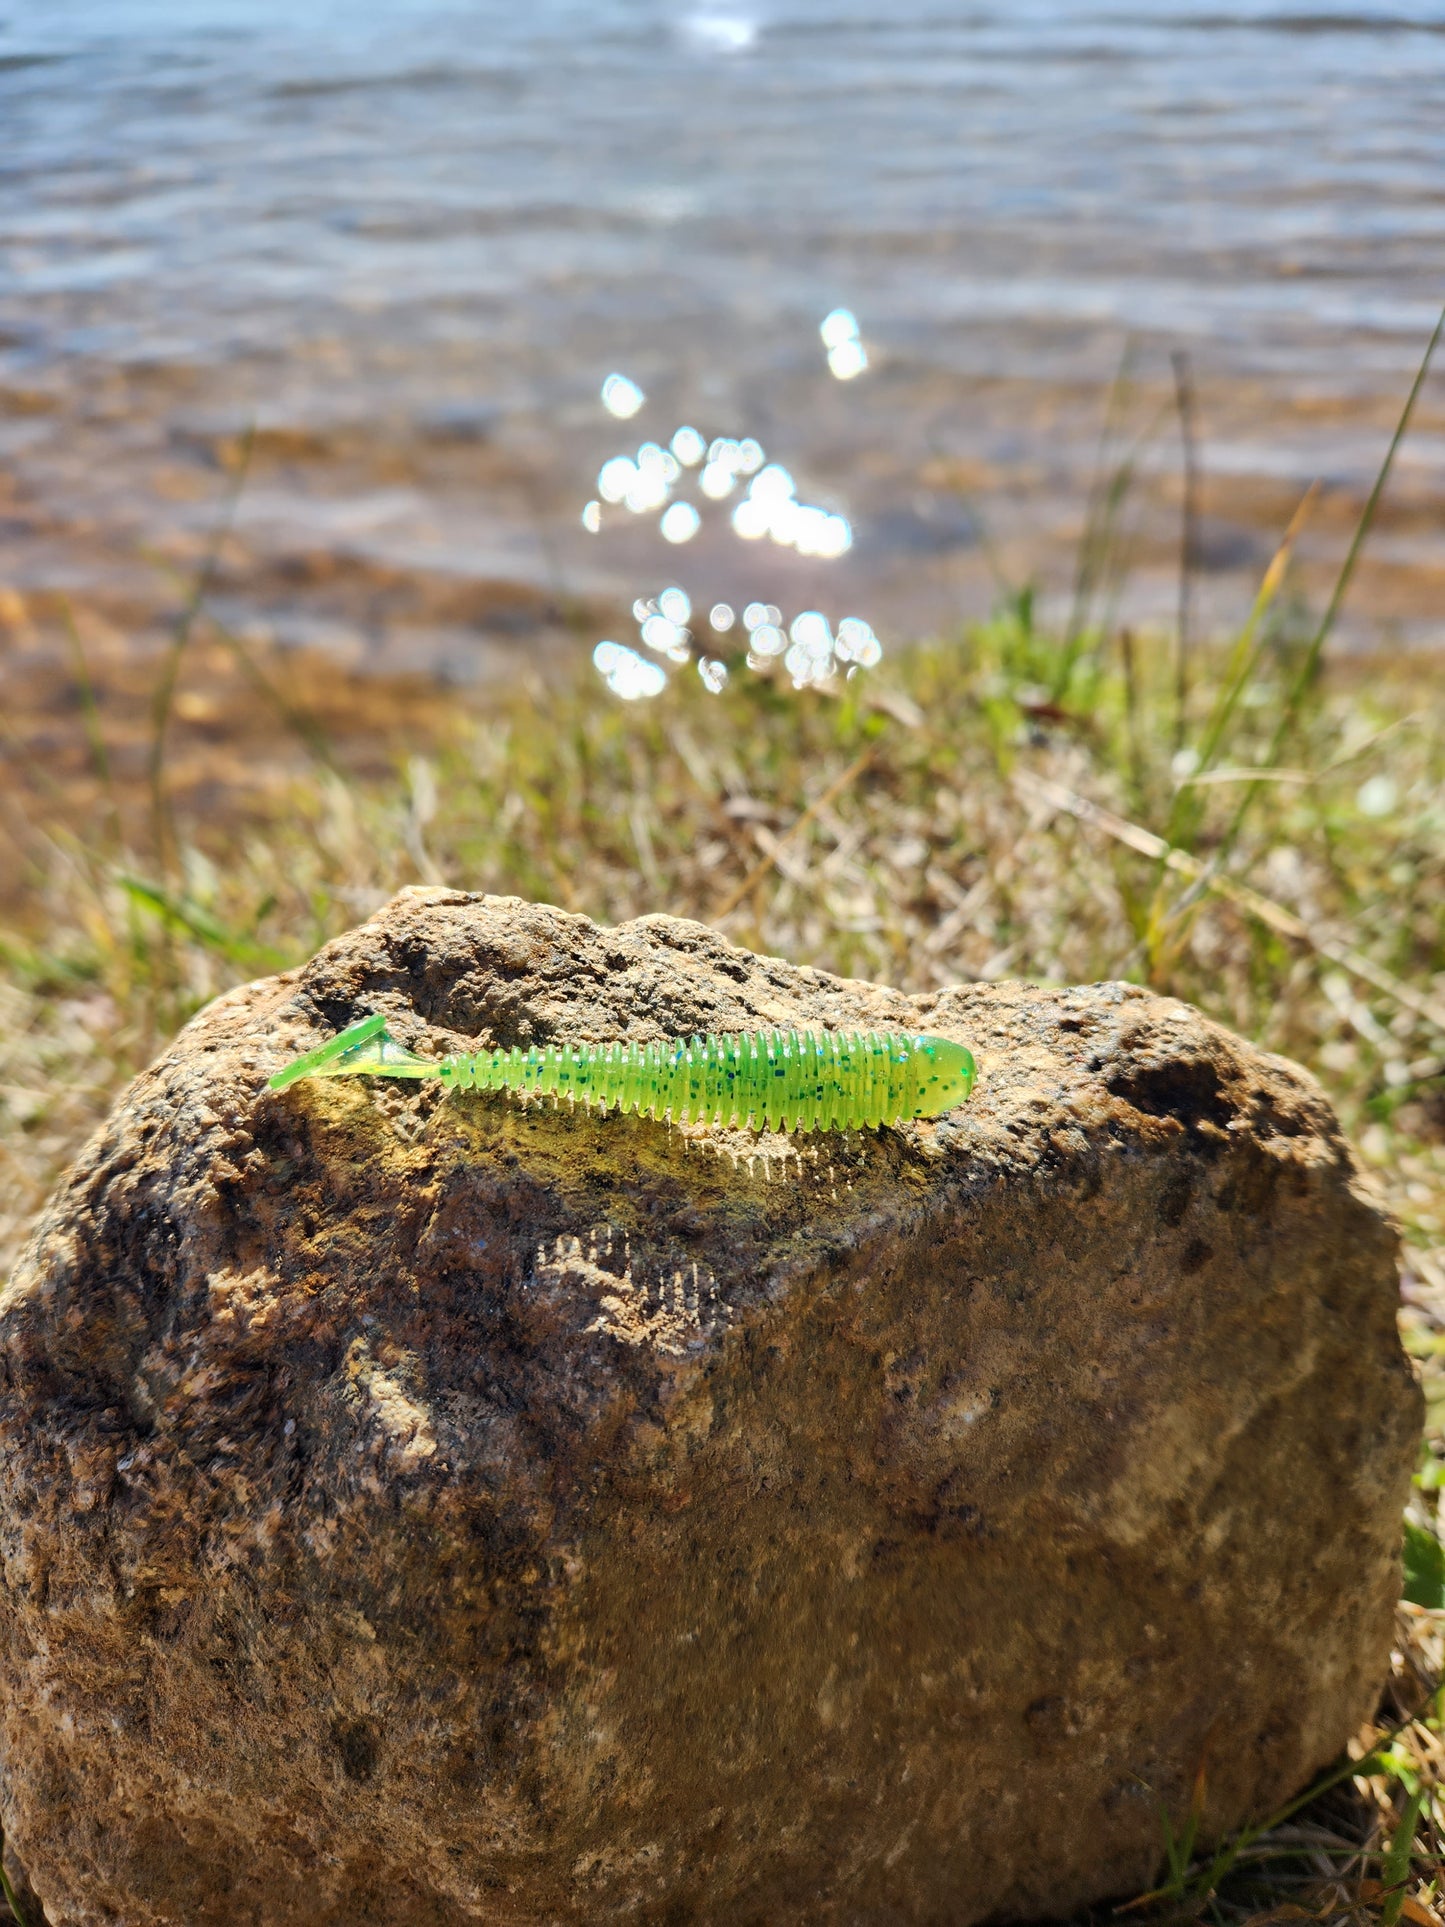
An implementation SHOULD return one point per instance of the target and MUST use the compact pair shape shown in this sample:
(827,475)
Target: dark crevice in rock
(1187,1090)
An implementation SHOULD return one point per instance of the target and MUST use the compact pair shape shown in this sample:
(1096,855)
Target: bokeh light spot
(628,675)
(681,523)
(838,327)
(848,359)
(1377,796)
(811,628)
(615,478)
(621,397)
(648,491)
(724,33)
(784,517)
(667,638)
(688,446)
(772,484)
(653,459)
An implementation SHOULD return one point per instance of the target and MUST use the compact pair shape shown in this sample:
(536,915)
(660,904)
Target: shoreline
(449,545)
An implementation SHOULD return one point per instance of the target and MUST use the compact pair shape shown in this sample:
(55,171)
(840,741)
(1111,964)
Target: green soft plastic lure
(785,1080)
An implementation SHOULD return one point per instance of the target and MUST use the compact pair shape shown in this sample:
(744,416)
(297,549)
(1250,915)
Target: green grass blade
(1424,1568)
(1309,665)
(10,1901)
(180,913)
(1240,669)
(1395,1874)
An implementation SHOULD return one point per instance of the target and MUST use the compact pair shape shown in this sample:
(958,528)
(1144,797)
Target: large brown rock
(429,1510)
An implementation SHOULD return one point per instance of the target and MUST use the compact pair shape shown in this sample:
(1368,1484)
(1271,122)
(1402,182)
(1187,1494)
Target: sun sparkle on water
(809,648)
(622,397)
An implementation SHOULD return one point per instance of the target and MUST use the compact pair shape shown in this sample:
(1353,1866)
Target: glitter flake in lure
(774,1079)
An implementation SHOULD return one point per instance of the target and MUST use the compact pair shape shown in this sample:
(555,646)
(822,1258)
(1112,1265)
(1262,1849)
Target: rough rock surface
(423,1510)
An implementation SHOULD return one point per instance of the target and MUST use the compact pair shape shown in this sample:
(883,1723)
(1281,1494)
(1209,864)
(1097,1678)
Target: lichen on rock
(430,1509)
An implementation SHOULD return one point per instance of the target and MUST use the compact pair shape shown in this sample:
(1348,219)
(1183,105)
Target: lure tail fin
(363,1050)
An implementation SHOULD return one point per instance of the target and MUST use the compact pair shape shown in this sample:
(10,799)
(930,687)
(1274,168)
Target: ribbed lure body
(781,1080)
(777,1079)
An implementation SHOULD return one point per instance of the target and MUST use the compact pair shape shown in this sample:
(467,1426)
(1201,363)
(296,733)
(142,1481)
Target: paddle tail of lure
(364,1048)
(777,1079)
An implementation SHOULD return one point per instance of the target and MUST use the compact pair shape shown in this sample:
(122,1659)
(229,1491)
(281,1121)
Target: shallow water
(408,242)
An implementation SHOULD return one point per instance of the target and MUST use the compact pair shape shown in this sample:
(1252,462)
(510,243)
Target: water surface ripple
(408,241)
